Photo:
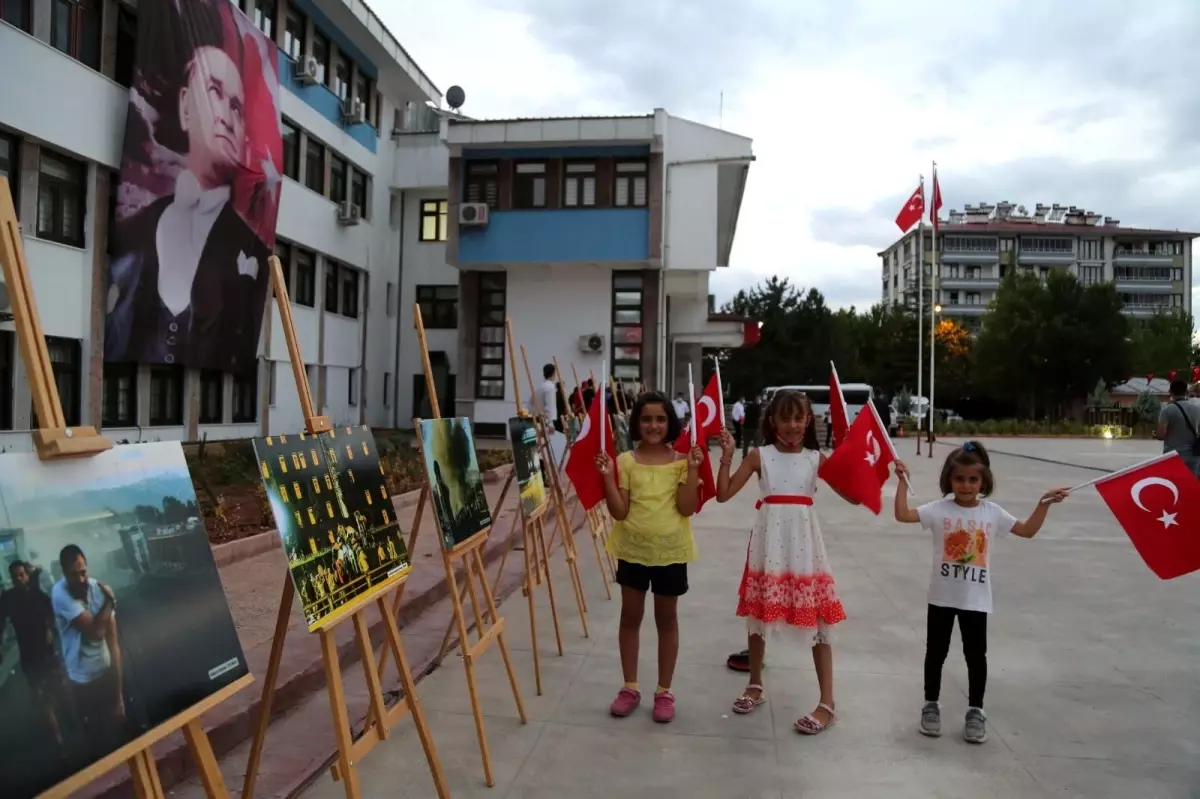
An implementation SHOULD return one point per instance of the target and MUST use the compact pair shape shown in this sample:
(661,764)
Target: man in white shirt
(547,395)
(739,420)
(681,407)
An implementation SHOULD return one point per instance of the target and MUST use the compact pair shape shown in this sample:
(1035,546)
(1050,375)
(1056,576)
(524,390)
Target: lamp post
(937,310)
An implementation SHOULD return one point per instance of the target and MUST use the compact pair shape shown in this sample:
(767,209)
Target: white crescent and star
(707,403)
(1135,493)
(584,428)
(873,443)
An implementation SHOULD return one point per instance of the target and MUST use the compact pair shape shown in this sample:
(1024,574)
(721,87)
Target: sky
(849,102)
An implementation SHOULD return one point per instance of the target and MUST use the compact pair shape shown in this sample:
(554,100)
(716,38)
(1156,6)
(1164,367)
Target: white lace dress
(787,584)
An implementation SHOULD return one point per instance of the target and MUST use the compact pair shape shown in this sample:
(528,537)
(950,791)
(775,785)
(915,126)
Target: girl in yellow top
(651,496)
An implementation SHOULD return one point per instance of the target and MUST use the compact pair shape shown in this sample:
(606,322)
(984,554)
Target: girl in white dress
(787,586)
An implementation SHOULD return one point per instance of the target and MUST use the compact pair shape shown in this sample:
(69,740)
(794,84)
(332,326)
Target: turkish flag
(839,416)
(1196,374)
(1157,504)
(708,420)
(860,467)
(936,205)
(581,460)
(913,210)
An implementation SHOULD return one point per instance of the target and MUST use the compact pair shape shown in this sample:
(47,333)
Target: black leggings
(972,626)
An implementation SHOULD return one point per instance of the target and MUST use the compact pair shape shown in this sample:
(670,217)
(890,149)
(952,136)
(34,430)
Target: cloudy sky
(849,101)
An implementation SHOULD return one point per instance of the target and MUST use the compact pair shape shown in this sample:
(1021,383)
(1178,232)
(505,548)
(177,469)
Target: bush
(1036,428)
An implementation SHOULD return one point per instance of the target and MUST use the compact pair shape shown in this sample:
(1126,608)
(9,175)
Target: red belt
(783,499)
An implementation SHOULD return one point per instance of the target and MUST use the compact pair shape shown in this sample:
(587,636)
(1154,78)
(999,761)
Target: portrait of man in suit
(189,278)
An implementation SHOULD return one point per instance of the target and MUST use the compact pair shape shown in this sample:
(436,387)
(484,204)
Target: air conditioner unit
(353,112)
(591,343)
(473,214)
(349,213)
(307,69)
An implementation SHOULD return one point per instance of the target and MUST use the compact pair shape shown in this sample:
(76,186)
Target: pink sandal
(810,726)
(746,704)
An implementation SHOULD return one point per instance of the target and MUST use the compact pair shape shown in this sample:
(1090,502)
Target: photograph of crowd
(329,497)
(527,462)
(448,446)
(112,614)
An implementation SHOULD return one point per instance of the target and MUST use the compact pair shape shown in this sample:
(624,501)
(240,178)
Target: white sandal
(745,703)
(810,726)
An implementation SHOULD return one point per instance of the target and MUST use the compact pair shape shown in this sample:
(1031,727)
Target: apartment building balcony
(1125,255)
(970,283)
(964,309)
(1143,310)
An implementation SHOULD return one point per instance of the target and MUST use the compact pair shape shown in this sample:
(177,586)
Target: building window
(283,251)
(15,13)
(529,188)
(631,182)
(264,17)
(245,398)
(579,186)
(10,164)
(66,355)
(387,389)
(627,296)
(293,34)
(358,191)
(62,199)
(7,339)
(314,166)
(212,397)
(331,286)
(439,306)
(306,279)
(166,395)
(291,149)
(1090,250)
(320,52)
(362,91)
(349,292)
(489,369)
(352,387)
(337,178)
(434,218)
(483,184)
(126,45)
(119,405)
(76,28)
(341,77)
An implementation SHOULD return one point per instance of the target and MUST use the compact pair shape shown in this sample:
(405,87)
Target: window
(341,77)
(245,398)
(15,13)
(76,29)
(1006,245)
(264,17)
(126,45)
(387,389)
(62,199)
(119,403)
(291,150)
(482,184)
(352,387)
(166,395)
(630,188)
(627,300)
(529,188)
(489,368)
(284,252)
(320,51)
(337,178)
(349,292)
(306,279)
(362,90)
(358,191)
(1090,250)
(293,34)
(314,166)
(434,217)
(212,397)
(439,306)
(66,356)
(7,339)
(579,187)
(331,286)
(272,379)
(1091,275)
(10,163)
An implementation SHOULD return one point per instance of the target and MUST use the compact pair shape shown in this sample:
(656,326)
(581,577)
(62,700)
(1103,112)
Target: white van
(857,396)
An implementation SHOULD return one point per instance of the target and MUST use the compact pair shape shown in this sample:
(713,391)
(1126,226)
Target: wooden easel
(470,553)
(381,719)
(55,441)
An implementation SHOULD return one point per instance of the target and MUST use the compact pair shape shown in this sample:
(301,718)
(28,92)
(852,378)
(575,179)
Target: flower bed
(1037,428)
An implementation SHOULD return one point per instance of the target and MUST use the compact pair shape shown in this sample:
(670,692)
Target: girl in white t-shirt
(963,527)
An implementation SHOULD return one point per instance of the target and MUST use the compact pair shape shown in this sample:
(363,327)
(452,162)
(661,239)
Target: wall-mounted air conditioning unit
(473,214)
(592,343)
(353,111)
(306,70)
(349,213)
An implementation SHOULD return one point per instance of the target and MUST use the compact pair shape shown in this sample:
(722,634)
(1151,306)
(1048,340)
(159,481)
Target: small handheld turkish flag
(1196,374)
(581,458)
(1157,504)
(708,420)
(860,467)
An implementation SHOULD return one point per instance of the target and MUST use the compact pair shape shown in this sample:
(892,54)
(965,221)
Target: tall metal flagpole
(933,305)
(920,308)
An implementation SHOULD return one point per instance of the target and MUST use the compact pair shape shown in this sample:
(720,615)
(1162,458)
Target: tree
(1162,343)
(1147,407)
(1100,398)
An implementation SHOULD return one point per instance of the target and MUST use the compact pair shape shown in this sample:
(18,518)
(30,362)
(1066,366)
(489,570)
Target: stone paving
(1093,689)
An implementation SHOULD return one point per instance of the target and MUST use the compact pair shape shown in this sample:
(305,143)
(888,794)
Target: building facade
(977,247)
(406,171)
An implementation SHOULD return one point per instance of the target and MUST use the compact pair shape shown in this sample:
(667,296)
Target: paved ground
(1093,690)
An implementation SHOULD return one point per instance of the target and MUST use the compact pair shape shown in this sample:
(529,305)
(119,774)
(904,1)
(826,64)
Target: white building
(1152,269)
(560,269)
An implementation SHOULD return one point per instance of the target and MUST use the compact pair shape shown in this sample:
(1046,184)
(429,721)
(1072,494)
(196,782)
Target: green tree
(1161,343)
(1147,407)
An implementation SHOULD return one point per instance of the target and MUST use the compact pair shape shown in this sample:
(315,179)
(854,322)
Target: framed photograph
(527,463)
(455,481)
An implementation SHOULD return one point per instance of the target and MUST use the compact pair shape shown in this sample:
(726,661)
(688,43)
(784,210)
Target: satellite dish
(455,97)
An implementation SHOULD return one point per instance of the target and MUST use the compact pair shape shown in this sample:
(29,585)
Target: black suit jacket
(219,331)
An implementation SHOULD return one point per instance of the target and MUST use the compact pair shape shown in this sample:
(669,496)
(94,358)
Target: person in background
(548,395)
(32,617)
(682,409)
(882,405)
(589,391)
(739,420)
(1179,426)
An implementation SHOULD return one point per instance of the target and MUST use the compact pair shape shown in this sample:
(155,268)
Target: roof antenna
(721,112)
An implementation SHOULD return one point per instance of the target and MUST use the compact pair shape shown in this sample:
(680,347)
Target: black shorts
(662,580)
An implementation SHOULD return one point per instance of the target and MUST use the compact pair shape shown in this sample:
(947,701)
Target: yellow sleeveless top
(654,533)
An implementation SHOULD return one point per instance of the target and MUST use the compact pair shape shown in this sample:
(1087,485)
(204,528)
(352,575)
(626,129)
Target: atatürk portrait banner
(199,190)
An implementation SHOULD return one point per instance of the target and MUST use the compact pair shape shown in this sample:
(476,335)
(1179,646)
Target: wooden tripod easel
(55,441)
(489,624)
(381,719)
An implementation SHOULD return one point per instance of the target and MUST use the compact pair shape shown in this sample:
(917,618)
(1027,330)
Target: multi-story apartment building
(977,247)
(369,222)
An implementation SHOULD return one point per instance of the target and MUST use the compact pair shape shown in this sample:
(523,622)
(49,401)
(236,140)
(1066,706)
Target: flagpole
(933,305)
(603,408)
(887,437)
(720,389)
(692,400)
(920,311)
(1119,472)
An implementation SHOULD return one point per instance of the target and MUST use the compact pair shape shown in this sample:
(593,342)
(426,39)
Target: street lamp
(937,309)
